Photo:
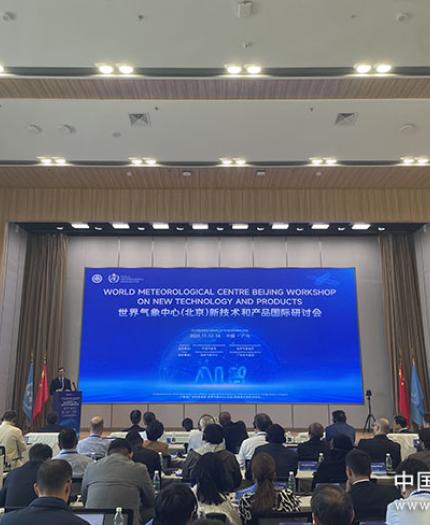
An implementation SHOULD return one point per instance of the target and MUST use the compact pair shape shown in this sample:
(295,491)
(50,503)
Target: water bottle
(156,482)
(320,458)
(119,517)
(291,482)
(160,455)
(388,463)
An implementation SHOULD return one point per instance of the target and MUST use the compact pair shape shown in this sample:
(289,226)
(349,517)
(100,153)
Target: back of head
(119,446)
(10,415)
(52,418)
(134,438)
(40,452)
(331,505)
(175,505)
(154,430)
(210,477)
(97,425)
(135,417)
(359,462)
(339,416)
(206,420)
(67,439)
(187,424)
(316,430)
(148,418)
(52,476)
(342,442)
(401,421)
(424,435)
(263,473)
(276,434)
(382,426)
(213,434)
(224,418)
(411,467)
(262,422)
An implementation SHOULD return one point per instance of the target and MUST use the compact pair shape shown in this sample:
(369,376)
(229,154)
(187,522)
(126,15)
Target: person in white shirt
(195,440)
(12,439)
(414,509)
(261,423)
(94,445)
(67,441)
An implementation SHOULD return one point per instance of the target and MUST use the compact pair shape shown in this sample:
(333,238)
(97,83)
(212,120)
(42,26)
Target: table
(47,438)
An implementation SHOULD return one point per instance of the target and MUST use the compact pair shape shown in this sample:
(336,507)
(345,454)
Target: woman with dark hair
(266,498)
(333,469)
(154,431)
(209,474)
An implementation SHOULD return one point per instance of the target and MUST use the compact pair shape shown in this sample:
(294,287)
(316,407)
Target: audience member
(331,506)
(261,423)
(414,509)
(400,425)
(51,423)
(135,418)
(154,431)
(196,436)
(332,469)
(94,445)
(53,488)
(67,441)
(266,498)
(370,500)
(339,426)
(150,458)
(210,485)
(12,439)
(116,481)
(18,488)
(175,505)
(424,454)
(187,424)
(310,450)
(285,459)
(379,446)
(234,432)
(213,441)
(426,420)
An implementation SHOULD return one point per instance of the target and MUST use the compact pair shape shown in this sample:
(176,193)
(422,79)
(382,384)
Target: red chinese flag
(403,395)
(42,395)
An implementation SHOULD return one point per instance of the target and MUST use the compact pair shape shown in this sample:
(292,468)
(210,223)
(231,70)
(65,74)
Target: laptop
(309,466)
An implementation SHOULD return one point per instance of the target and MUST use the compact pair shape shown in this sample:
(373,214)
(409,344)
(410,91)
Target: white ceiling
(200,130)
(206,33)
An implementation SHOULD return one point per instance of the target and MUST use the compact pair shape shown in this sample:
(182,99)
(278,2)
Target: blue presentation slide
(279,335)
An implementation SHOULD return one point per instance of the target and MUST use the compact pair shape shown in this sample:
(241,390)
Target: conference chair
(284,518)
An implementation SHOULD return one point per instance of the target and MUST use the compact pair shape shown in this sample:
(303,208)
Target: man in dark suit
(148,457)
(234,433)
(286,460)
(53,487)
(400,425)
(310,450)
(135,418)
(18,488)
(339,426)
(379,446)
(51,423)
(60,383)
(369,499)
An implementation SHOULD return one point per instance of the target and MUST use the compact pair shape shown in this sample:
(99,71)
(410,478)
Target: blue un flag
(27,402)
(417,397)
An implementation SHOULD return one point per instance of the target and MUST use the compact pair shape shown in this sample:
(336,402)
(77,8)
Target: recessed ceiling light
(233,69)
(408,160)
(383,68)
(180,228)
(80,225)
(423,160)
(280,226)
(240,162)
(330,161)
(98,228)
(34,128)
(299,229)
(362,68)
(260,173)
(186,173)
(135,161)
(150,162)
(66,129)
(381,228)
(239,226)
(120,226)
(60,161)
(60,228)
(1,69)
(220,228)
(141,228)
(316,161)
(320,226)
(160,225)
(341,228)
(253,69)
(125,69)
(260,228)
(105,69)
(360,226)
(200,226)
(45,160)
(226,162)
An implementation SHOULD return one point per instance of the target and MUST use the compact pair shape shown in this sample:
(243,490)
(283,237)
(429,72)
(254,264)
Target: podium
(67,405)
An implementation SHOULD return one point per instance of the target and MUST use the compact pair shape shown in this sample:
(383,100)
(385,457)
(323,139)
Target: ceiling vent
(346,119)
(139,120)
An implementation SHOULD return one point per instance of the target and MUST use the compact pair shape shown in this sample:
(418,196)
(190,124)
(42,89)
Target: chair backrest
(217,516)
(278,518)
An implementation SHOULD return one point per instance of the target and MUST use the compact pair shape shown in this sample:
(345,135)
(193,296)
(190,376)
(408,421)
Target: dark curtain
(402,311)
(41,321)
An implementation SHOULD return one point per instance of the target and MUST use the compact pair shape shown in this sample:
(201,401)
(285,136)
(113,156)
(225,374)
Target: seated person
(424,453)
(51,423)
(370,500)
(53,488)
(187,424)
(235,432)
(196,436)
(379,446)
(261,423)
(331,505)
(213,441)
(414,509)
(333,469)
(310,450)
(18,488)
(154,431)
(143,455)
(339,426)
(266,498)
(285,459)
(400,425)
(135,418)
(175,505)
(95,444)
(426,420)
(116,481)
(67,441)
(12,439)
(210,485)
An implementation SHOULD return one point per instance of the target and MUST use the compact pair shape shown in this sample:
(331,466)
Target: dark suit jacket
(43,511)
(379,446)
(234,434)
(51,428)
(310,450)
(150,458)
(370,500)
(332,469)
(286,460)
(18,489)
(56,385)
(233,477)
(134,427)
(340,428)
